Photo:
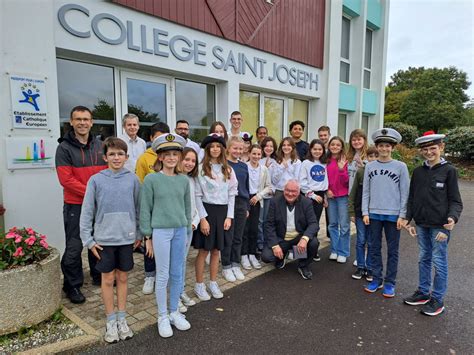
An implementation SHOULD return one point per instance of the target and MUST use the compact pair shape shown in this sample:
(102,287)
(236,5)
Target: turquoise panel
(347,97)
(352,7)
(374,14)
(369,102)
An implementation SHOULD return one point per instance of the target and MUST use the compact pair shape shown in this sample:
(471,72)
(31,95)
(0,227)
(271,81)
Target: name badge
(440,185)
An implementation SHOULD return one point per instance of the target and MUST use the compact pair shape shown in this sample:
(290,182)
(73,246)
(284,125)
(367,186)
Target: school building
(319,61)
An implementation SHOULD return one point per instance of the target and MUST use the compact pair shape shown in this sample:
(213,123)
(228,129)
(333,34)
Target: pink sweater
(338,179)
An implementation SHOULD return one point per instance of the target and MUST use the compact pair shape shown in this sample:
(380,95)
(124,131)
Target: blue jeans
(433,253)
(339,226)
(392,236)
(169,246)
(363,239)
(261,242)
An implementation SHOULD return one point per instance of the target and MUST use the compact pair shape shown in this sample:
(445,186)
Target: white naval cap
(168,141)
(388,135)
(429,138)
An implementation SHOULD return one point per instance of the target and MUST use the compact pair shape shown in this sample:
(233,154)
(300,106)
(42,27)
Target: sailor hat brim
(429,139)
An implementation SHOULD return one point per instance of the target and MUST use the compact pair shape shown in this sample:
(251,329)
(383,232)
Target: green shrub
(460,142)
(407,155)
(409,133)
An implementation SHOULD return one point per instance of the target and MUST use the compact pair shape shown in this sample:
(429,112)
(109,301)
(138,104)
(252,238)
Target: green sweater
(165,202)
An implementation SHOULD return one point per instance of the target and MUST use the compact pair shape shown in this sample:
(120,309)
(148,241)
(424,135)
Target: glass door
(148,97)
(274,115)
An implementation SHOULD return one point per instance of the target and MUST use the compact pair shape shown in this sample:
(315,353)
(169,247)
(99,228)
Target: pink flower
(18,239)
(31,240)
(30,231)
(44,244)
(18,252)
(42,236)
(13,229)
(11,235)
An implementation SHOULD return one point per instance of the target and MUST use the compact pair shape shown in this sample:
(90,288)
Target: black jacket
(305,219)
(434,195)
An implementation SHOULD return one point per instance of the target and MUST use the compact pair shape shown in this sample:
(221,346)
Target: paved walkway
(141,308)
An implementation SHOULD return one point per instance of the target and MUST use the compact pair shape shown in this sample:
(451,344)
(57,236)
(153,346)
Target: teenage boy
(296,132)
(324,134)
(236,121)
(434,202)
(109,228)
(78,157)
(384,200)
(136,145)
(363,232)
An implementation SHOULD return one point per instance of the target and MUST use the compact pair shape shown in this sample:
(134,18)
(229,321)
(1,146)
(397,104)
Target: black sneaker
(280,263)
(317,257)
(432,308)
(305,273)
(358,274)
(368,275)
(417,298)
(75,295)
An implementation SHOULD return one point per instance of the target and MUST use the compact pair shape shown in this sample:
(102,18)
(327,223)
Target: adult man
(261,133)
(296,132)
(235,124)
(136,145)
(78,157)
(324,134)
(182,129)
(291,222)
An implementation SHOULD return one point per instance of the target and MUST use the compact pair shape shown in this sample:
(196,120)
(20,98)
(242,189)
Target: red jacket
(76,163)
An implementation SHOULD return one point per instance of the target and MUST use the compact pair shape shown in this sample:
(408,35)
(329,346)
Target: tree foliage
(428,98)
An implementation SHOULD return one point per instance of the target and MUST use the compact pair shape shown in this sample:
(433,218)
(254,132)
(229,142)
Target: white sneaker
(164,327)
(181,307)
(200,292)
(291,256)
(238,273)
(179,321)
(111,332)
(253,260)
(333,256)
(228,275)
(208,258)
(341,259)
(215,290)
(149,285)
(124,330)
(244,261)
(187,301)
(355,262)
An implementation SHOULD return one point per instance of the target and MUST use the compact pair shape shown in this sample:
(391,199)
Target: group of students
(217,200)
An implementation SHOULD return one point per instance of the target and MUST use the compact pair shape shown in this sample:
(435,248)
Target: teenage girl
(357,153)
(269,148)
(165,221)
(337,194)
(247,138)
(190,168)
(219,128)
(216,188)
(259,186)
(288,165)
(232,252)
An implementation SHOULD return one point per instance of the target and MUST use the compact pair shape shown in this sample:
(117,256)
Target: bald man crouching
(291,222)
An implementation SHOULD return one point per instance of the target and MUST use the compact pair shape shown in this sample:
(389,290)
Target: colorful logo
(39,154)
(317,173)
(31,94)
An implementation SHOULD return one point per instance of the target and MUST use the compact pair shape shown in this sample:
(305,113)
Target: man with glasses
(182,129)
(235,124)
(78,157)
(136,145)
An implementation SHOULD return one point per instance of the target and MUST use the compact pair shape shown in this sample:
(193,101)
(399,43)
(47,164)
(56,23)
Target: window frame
(366,84)
(344,60)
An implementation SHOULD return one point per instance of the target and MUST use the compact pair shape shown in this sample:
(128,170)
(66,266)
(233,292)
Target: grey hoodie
(109,213)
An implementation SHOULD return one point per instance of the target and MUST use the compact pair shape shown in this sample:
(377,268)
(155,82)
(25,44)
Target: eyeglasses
(86,120)
(182,129)
(116,154)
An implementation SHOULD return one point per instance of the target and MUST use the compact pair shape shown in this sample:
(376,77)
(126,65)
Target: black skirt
(216,215)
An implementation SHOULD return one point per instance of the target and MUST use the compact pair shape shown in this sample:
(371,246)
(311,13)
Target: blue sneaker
(373,286)
(388,291)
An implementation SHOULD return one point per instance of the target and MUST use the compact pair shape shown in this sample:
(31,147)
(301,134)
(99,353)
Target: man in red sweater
(78,157)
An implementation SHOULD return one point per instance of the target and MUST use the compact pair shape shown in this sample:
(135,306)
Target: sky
(431,33)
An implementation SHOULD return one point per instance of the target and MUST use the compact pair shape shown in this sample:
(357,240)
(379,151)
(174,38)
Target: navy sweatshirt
(242,173)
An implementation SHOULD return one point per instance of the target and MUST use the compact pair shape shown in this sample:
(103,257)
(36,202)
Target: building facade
(319,61)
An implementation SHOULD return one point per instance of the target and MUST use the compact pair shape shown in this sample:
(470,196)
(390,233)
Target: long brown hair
(219,123)
(323,157)
(351,151)
(206,162)
(343,149)
(158,166)
(280,154)
(193,173)
(264,143)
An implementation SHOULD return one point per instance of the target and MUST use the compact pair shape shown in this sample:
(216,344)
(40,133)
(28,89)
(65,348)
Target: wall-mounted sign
(30,152)
(29,108)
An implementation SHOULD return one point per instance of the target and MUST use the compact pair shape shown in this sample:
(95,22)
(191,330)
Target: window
(195,103)
(273,116)
(249,106)
(87,85)
(345,50)
(341,125)
(365,124)
(298,111)
(367,58)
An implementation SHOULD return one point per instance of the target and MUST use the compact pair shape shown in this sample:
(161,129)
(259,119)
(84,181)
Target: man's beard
(184,135)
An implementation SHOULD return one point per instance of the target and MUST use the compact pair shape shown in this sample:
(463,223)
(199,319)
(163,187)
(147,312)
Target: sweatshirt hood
(115,175)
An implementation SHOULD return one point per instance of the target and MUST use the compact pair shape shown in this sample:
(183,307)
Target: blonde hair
(158,166)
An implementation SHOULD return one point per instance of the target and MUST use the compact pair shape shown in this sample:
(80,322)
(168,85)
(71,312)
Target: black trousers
(318,207)
(232,248)
(71,262)
(249,240)
(287,245)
